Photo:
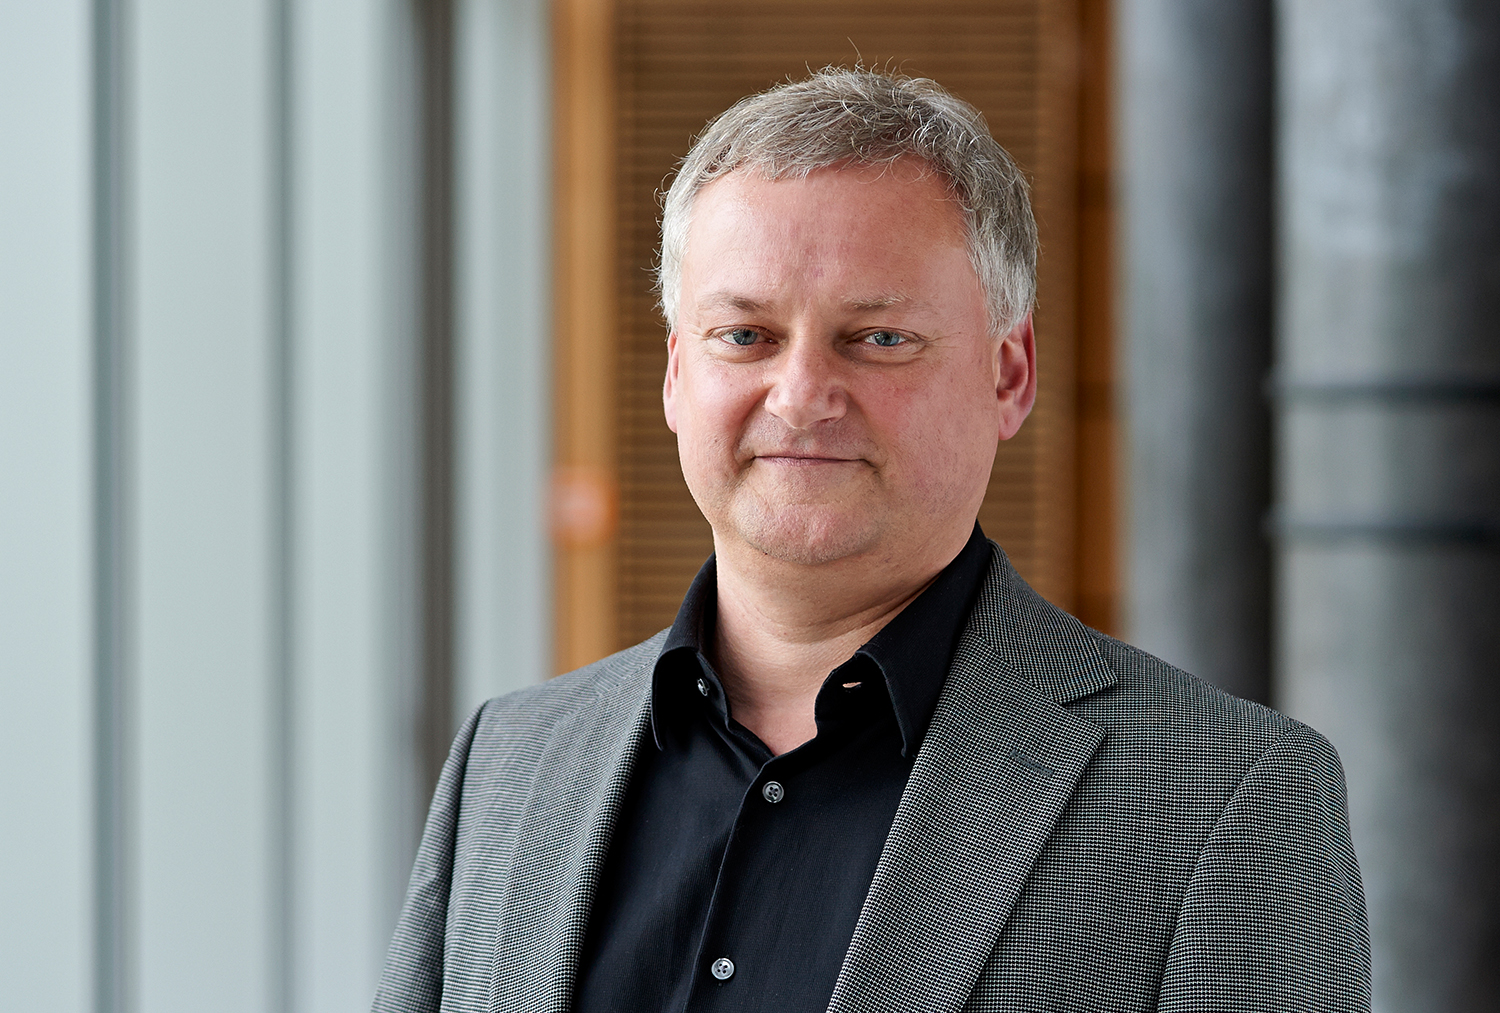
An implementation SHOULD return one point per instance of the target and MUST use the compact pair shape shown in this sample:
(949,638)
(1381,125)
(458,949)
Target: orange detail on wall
(585,507)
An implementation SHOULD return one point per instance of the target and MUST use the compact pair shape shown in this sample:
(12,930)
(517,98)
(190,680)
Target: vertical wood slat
(1096,597)
(585,318)
(1051,565)
(679,62)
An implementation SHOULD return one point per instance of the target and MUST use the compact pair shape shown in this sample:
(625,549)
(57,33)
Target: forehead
(846,228)
(901,196)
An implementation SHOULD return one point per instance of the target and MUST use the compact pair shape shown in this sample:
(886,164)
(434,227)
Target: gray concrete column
(1389,462)
(1195,266)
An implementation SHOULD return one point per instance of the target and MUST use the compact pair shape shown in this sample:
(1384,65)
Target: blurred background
(329,407)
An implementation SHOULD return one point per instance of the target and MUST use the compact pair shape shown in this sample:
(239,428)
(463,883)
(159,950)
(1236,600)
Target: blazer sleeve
(412,981)
(1274,914)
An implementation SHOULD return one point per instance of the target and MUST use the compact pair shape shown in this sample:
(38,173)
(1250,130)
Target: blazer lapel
(564,832)
(1000,760)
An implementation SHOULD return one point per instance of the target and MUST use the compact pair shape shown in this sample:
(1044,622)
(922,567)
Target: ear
(1015,376)
(669,385)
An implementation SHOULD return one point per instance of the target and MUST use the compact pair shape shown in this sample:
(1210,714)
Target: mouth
(804,460)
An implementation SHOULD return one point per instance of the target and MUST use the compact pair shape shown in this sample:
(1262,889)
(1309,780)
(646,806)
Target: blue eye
(884,339)
(742,336)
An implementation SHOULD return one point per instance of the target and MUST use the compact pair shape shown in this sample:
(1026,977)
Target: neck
(779,634)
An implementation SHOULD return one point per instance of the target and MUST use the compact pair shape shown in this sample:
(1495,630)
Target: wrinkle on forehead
(725,299)
(883,301)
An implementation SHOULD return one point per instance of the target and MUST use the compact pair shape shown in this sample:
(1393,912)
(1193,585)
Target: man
(868,768)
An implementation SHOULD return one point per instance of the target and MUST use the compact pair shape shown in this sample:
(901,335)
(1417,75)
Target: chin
(806,535)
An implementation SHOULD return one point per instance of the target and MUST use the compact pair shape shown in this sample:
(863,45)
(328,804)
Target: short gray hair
(839,116)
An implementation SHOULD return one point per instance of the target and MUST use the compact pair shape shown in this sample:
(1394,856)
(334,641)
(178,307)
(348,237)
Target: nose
(805,385)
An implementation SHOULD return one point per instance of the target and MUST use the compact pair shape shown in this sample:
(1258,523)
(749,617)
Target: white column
(503,559)
(45,508)
(355,810)
(203,491)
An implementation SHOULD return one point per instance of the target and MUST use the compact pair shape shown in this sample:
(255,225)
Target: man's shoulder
(1155,707)
(1179,762)
(1155,687)
(535,713)
(1146,706)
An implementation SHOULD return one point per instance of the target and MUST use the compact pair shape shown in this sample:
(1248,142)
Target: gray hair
(839,116)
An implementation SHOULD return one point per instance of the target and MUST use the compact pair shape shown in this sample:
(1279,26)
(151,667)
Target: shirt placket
(719,970)
(720,961)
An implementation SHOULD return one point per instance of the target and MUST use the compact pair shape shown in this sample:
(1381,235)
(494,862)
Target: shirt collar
(912,651)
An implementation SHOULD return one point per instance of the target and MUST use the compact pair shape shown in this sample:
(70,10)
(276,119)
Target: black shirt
(734,878)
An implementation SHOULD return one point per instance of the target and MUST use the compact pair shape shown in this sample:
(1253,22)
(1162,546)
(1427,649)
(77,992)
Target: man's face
(832,380)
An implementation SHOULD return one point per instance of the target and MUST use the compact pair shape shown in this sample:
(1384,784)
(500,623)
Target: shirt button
(773,792)
(703,686)
(723,968)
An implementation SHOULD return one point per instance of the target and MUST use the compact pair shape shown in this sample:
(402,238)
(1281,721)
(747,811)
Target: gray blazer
(1085,828)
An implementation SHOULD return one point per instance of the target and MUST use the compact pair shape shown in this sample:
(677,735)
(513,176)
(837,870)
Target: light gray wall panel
(503,562)
(45,508)
(256,500)
(200,255)
(354,804)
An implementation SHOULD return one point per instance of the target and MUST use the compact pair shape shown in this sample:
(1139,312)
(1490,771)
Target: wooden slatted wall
(676,63)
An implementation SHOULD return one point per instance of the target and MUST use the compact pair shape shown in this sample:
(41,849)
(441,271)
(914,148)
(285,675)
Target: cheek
(713,405)
(946,432)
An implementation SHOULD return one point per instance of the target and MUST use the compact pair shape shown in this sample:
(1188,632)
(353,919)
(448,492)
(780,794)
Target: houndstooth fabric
(1085,828)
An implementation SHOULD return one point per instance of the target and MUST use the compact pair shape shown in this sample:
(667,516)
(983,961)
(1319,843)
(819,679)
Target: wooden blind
(675,64)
